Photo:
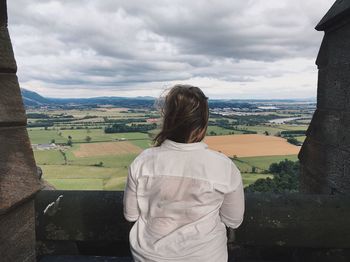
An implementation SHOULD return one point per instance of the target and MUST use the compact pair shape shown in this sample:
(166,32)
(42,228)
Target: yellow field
(106,148)
(251,145)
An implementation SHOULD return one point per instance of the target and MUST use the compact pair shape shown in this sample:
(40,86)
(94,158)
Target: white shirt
(181,197)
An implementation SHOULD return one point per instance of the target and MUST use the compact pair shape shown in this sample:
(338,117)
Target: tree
(293,141)
(266,133)
(70,141)
(99,164)
(53,141)
(253,169)
(88,139)
(286,178)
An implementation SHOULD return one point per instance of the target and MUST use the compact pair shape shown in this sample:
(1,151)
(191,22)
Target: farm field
(260,163)
(250,178)
(106,148)
(272,129)
(101,162)
(251,145)
(83,171)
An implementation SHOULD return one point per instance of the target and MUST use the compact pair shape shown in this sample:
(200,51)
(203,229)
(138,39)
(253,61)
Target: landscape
(88,143)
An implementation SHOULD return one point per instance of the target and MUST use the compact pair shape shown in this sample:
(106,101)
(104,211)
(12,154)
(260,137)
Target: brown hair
(185,115)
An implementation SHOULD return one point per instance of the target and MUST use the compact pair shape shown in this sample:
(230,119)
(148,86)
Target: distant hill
(33,99)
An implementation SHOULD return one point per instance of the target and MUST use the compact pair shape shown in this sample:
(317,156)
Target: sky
(240,49)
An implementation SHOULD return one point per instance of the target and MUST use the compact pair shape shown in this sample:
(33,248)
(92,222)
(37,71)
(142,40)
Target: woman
(180,193)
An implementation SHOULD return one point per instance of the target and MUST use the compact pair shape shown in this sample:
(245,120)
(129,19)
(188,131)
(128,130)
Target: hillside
(31,98)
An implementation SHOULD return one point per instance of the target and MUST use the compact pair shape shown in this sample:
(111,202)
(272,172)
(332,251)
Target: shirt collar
(183,146)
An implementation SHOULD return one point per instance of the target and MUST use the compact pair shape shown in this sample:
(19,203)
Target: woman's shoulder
(146,153)
(219,156)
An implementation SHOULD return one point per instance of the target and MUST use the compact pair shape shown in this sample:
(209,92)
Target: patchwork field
(251,145)
(99,161)
(106,148)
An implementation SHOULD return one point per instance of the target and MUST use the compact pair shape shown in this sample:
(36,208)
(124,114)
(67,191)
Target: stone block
(3,13)
(81,215)
(11,105)
(344,132)
(336,14)
(313,156)
(18,172)
(327,126)
(333,91)
(325,168)
(17,234)
(310,182)
(322,57)
(338,169)
(296,220)
(7,60)
(335,48)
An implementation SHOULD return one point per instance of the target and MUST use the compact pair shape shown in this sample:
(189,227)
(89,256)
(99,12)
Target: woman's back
(181,195)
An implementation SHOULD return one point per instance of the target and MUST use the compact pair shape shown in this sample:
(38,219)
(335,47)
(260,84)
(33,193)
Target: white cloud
(245,49)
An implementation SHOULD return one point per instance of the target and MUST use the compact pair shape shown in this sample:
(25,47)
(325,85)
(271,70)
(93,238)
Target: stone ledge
(334,48)
(7,60)
(339,11)
(18,170)
(11,105)
(289,220)
(17,235)
(3,13)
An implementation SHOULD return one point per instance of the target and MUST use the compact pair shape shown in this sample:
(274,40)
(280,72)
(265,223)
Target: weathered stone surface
(338,12)
(89,215)
(335,48)
(18,173)
(331,127)
(7,60)
(313,153)
(3,13)
(17,234)
(325,153)
(11,105)
(322,57)
(312,182)
(333,90)
(326,168)
(294,220)
(85,259)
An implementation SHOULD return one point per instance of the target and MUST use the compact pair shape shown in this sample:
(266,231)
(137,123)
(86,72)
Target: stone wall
(18,179)
(325,155)
(289,227)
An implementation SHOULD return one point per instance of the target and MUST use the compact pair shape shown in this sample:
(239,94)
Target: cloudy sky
(231,49)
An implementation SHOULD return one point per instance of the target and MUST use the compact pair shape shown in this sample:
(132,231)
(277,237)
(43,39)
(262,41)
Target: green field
(250,178)
(98,135)
(300,138)
(272,129)
(222,131)
(71,177)
(261,163)
(41,136)
(64,170)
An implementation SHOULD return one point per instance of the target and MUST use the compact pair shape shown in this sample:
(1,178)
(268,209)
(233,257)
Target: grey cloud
(119,43)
